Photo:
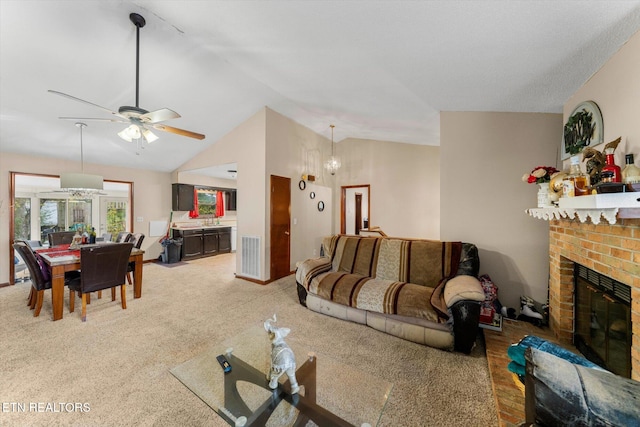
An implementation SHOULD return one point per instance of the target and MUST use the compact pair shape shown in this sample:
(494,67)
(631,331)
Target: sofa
(425,291)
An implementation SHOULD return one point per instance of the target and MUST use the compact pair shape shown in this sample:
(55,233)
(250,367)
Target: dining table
(62,258)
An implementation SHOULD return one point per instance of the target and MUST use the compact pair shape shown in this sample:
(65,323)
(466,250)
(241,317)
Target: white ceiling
(376,69)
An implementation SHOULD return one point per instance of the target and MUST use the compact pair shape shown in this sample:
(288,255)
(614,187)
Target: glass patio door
(114,215)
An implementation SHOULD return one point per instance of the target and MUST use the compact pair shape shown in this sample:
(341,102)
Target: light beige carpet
(115,368)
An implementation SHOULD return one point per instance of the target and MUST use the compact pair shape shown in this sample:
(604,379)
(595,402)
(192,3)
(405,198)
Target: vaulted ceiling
(378,70)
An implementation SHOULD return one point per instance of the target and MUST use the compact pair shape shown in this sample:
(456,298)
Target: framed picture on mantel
(583,128)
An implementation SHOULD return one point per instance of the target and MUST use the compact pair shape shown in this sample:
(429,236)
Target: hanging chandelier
(333,163)
(81,185)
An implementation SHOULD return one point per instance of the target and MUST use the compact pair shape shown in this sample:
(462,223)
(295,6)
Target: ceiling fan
(139,119)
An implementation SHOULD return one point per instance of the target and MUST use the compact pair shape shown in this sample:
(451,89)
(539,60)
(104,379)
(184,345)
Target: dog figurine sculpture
(282,357)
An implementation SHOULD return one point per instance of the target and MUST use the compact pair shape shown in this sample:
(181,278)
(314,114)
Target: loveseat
(424,291)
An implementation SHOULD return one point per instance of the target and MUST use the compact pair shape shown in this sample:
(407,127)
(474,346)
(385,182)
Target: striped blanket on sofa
(390,276)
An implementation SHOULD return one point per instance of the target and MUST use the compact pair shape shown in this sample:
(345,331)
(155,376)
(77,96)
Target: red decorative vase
(612,167)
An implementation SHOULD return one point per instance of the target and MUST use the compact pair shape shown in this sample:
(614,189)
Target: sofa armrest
(310,268)
(463,296)
(466,318)
(463,288)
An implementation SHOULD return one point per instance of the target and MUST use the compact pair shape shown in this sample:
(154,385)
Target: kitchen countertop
(199,227)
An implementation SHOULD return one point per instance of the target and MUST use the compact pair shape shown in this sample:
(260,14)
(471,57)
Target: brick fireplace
(611,250)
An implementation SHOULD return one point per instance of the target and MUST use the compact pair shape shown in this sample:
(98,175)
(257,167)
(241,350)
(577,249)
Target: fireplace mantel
(608,206)
(595,214)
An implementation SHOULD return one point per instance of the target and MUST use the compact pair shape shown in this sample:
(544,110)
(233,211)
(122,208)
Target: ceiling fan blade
(178,131)
(159,116)
(83,101)
(95,119)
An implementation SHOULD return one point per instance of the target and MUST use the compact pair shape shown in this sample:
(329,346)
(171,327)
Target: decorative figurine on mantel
(598,160)
(282,358)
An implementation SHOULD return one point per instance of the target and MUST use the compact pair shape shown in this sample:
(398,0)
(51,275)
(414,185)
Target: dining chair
(19,266)
(101,267)
(34,244)
(61,238)
(39,283)
(123,237)
(137,243)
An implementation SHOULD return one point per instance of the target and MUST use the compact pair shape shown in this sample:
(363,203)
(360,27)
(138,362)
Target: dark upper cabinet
(230,200)
(182,197)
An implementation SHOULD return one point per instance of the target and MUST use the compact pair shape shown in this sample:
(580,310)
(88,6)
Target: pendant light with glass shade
(81,185)
(333,163)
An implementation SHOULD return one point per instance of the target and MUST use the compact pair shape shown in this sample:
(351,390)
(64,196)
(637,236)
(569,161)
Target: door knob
(286,232)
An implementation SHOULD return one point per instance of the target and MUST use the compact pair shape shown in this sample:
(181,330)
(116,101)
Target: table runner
(58,248)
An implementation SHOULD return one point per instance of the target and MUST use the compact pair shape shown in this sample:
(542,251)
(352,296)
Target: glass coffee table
(331,393)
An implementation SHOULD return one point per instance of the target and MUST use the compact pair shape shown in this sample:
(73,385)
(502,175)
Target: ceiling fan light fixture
(130,133)
(149,136)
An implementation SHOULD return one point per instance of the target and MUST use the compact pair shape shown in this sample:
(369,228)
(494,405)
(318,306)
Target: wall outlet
(315,252)
(139,219)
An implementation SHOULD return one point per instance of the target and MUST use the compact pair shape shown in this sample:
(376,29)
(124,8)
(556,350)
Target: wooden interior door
(280,226)
(358,211)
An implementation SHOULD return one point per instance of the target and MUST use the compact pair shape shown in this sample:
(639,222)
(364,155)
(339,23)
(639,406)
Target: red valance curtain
(194,213)
(219,204)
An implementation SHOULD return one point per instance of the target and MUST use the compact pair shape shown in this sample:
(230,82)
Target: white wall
(484,156)
(405,185)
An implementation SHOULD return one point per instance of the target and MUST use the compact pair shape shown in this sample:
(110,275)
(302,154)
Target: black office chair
(137,243)
(61,238)
(101,267)
(39,283)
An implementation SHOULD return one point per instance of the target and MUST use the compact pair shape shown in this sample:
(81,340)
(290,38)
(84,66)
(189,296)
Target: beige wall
(152,196)
(405,185)
(616,90)
(246,146)
(483,200)
(271,144)
(294,150)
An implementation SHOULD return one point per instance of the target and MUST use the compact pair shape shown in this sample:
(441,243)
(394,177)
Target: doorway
(358,225)
(351,206)
(280,227)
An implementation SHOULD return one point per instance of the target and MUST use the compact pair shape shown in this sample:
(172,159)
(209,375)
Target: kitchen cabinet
(203,242)
(182,197)
(191,243)
(210,242)
(230,199)
(224,240)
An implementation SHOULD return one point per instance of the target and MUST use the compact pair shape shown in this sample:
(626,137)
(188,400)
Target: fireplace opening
(602,313)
